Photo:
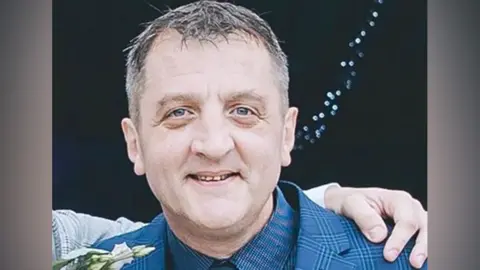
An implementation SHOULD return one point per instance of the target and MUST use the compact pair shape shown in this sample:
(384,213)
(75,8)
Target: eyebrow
(177,98)
(248,94)
(240,95)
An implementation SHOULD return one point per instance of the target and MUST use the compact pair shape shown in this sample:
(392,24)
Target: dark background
(377,137)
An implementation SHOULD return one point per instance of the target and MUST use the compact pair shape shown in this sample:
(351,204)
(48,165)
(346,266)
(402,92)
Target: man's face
(212,136)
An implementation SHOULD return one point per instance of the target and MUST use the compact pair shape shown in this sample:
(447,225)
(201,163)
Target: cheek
(165,151)
(259,147)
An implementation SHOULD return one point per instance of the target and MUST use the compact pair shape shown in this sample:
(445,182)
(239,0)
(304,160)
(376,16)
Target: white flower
(138,248)
(96,259)
(122,255)
(97,266)
(121,249)
(144,251)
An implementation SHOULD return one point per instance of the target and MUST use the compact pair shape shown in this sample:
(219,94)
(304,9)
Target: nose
(214,141)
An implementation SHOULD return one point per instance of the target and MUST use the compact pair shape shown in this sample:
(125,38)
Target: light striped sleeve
(71,230)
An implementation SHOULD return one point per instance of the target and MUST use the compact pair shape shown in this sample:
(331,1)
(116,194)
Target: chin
(221,229)
(216,225)
(218,220)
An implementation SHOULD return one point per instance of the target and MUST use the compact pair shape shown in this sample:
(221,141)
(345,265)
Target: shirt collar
(271,246)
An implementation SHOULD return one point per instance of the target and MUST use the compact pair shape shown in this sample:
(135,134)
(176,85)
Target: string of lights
(311,133)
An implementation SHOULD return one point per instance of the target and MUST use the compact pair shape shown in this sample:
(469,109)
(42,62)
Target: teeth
(213,178)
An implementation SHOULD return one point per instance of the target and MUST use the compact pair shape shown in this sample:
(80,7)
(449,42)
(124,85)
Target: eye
(178,112)
(242,111)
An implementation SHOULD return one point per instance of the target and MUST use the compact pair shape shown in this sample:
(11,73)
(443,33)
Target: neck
(220,244)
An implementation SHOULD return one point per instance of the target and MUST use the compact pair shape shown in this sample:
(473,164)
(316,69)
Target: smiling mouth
(217,178)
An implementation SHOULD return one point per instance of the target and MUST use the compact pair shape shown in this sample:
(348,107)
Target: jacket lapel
(155,260)
(154,232)
(321,237)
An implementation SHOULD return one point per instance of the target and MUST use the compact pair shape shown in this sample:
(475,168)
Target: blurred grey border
(453,148)
(26,53)
(26,134)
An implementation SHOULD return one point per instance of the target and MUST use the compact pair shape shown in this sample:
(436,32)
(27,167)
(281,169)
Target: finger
(406,225)
(367,219)
(420,250)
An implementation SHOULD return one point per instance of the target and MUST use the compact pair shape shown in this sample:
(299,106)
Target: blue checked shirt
(272,248)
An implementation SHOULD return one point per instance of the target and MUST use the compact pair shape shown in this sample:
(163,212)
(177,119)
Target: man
(210,126)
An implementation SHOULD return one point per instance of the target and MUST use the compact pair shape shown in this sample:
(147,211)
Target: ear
(134,149)
(290,124)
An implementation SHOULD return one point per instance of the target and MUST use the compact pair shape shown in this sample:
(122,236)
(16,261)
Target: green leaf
(84,251)
(57,265)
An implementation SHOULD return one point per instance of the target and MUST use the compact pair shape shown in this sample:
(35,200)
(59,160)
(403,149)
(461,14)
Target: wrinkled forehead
(239,63)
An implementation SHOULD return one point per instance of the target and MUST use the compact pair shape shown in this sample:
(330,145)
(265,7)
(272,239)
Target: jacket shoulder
(342,235)
(370,255)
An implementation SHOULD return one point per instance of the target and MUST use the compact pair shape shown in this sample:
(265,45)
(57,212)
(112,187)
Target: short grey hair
(202,21)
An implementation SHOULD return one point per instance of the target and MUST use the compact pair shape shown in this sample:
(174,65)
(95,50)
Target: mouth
(211,178)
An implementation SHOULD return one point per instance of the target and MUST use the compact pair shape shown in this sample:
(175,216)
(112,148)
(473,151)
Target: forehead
(240,63)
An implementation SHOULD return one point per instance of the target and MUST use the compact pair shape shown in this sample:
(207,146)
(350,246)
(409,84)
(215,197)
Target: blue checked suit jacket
(326,241)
